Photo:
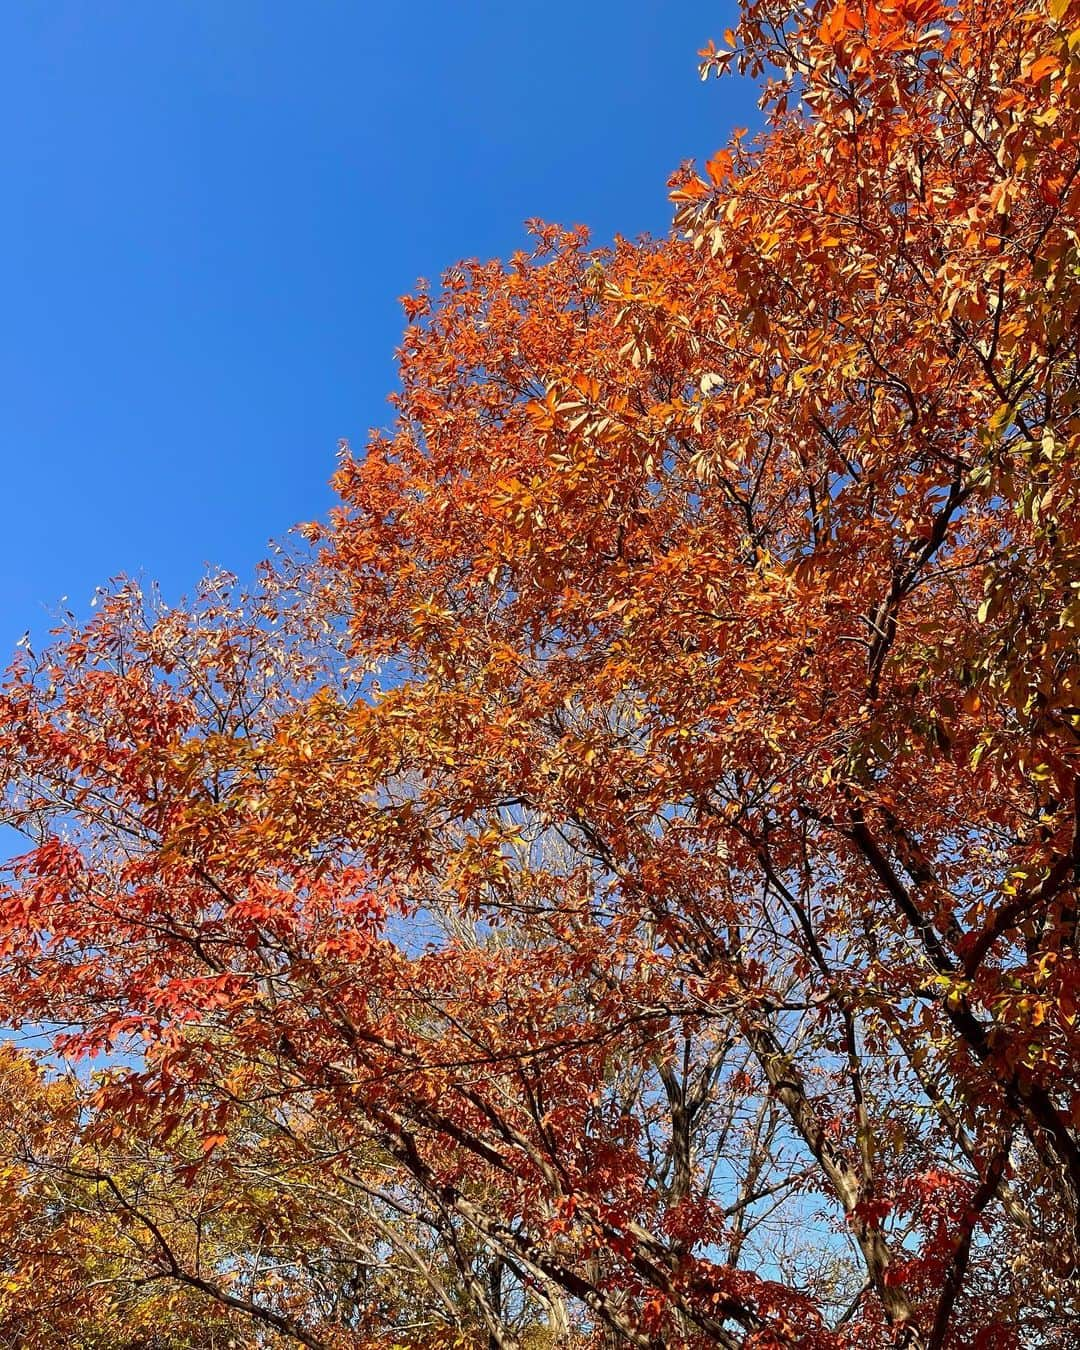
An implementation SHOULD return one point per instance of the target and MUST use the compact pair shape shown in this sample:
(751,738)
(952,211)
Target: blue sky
(212,206)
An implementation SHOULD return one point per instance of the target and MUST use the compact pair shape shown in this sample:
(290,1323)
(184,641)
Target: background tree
(638,849)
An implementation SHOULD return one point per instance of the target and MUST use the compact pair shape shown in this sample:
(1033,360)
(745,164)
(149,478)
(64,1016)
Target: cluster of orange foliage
(620,886)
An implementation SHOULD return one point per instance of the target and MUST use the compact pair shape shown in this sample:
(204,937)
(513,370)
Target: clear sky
(211,207)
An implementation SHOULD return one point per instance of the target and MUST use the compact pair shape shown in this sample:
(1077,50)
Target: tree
(627,868)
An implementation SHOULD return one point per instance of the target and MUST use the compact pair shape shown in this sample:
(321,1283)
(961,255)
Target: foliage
(620,887)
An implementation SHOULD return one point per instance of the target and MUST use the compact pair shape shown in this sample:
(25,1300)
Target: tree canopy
(617,884)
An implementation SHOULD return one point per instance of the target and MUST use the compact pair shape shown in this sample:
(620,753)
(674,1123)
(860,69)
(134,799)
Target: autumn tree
(623,878)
